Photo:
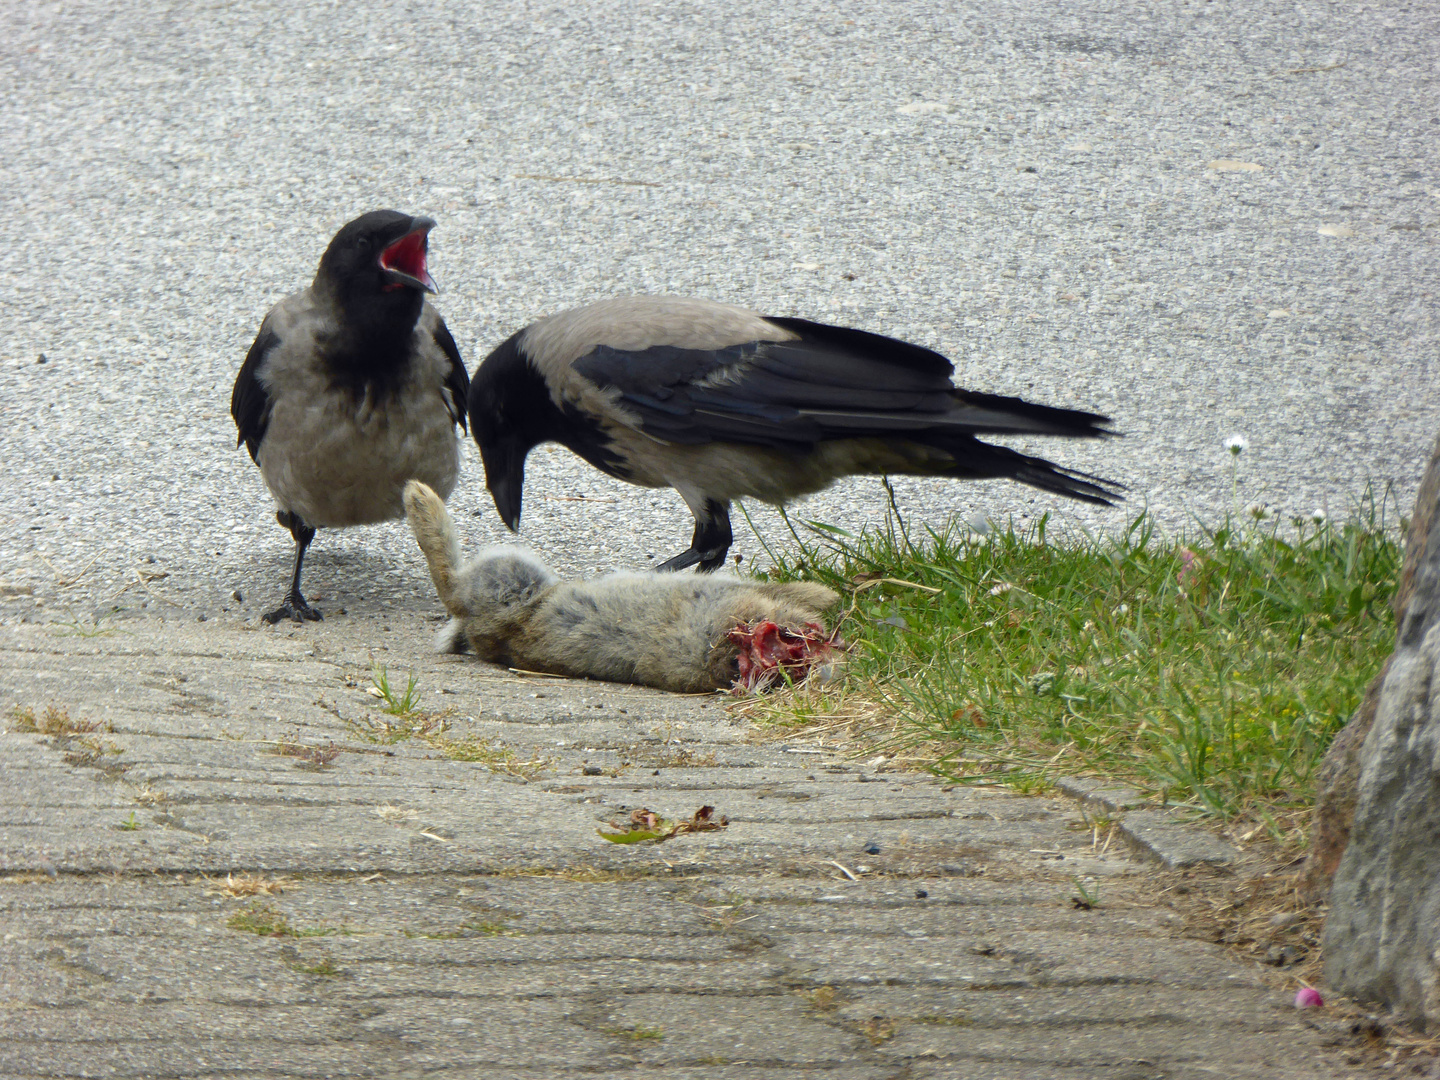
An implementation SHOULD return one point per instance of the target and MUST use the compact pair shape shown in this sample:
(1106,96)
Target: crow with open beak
(719,402)
(353,387)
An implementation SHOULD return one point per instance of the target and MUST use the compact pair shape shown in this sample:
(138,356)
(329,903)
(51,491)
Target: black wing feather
(893,353)
(831,382)
(250,404)
(457,380)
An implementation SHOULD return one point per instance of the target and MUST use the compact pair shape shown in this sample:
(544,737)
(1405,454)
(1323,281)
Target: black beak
(404,260)
(505,477)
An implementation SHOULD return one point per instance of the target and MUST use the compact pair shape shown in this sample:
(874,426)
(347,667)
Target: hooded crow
(353,387)
(719,402)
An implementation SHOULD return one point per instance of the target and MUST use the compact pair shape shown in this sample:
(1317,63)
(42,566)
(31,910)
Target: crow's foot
(295,609)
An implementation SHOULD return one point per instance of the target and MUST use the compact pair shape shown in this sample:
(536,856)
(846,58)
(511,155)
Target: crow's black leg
(710,542)
(295,606)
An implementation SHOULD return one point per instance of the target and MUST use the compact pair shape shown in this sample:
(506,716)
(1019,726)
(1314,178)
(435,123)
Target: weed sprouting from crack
(324,967)
(823,998)
(53,721)
(679,758)
(148,796)
(130,824)
(411,722)
(75,628)
(265,921)
(91,752)
(397,703)
(78,738)
(637,1033)
(413,725)
(942,1021)
(497,757)
(261,919)
(431,729)
(1087,894)
(879,1029)
(315,756)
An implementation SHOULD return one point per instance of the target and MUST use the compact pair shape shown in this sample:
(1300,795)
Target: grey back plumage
(635,323)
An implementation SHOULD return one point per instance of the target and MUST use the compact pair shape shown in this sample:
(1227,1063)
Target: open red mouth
(405,260)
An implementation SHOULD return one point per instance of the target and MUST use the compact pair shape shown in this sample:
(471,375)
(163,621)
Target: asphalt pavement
(1034,192)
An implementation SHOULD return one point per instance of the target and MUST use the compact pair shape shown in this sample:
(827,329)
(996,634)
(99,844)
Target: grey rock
(1383,929)
(1338,778)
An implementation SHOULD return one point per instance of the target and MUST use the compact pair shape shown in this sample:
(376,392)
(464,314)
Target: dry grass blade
(495,756)
(238,885)
(64,580)
(316,756)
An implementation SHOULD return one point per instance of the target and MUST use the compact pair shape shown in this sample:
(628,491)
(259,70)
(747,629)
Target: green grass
(636,1034)
(266,921)
(497,757)
(1211,670)
(323,967)
(396,702)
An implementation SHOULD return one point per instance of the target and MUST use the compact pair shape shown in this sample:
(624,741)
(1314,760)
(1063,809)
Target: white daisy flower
(1236,444)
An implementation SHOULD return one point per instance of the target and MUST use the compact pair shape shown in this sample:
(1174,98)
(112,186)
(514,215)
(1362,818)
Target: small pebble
(872,849)
(239,596)
(593,770)
(921,894)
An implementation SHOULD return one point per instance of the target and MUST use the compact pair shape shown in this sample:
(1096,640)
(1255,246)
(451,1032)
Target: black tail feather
(975,460)
(1047,476)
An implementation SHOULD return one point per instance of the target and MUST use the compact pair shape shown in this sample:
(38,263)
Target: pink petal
(1308,998)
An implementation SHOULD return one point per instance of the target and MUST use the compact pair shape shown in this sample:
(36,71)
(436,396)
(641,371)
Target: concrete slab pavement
(442,917)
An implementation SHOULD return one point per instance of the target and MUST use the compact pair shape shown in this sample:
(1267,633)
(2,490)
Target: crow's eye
(363,243)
